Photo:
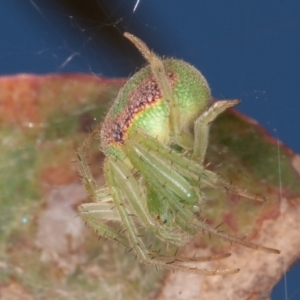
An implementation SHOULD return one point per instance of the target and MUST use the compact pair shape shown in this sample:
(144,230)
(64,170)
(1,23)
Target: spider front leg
(96,216)
(137,201)
(201,130)
(157,67)
(202,127)
(162,79)
(83,167)
(97,213)
(136,242)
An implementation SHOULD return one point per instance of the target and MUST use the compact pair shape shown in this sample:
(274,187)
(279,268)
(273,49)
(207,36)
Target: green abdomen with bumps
(140,105)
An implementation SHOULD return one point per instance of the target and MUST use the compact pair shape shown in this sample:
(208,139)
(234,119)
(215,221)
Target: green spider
(155,138)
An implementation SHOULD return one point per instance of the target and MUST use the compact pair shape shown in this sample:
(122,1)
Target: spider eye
(161,219)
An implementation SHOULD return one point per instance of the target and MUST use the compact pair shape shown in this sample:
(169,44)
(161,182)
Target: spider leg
(143,159)
(212,179)
(136,198)
(96,215)
(133,235)
(202,126)
(83,167)
(198,225)
(175,191)
(192,169)
(102,211)
(187,218)
(159,72)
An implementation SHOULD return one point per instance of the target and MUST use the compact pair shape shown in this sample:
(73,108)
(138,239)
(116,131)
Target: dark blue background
(246,49)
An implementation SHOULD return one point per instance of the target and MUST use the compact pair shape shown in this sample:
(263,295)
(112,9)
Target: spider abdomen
(140,104)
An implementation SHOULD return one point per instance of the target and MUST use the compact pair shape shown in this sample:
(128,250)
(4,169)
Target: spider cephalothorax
(155,138)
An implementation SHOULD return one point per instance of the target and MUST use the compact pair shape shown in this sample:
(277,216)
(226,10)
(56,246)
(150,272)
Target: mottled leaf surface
(47,252)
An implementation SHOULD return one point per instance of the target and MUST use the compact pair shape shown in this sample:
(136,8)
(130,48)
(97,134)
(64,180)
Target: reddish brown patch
(294,201)
(12,91)
(62,174)
(25,100)
(14,290)
(229,220)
